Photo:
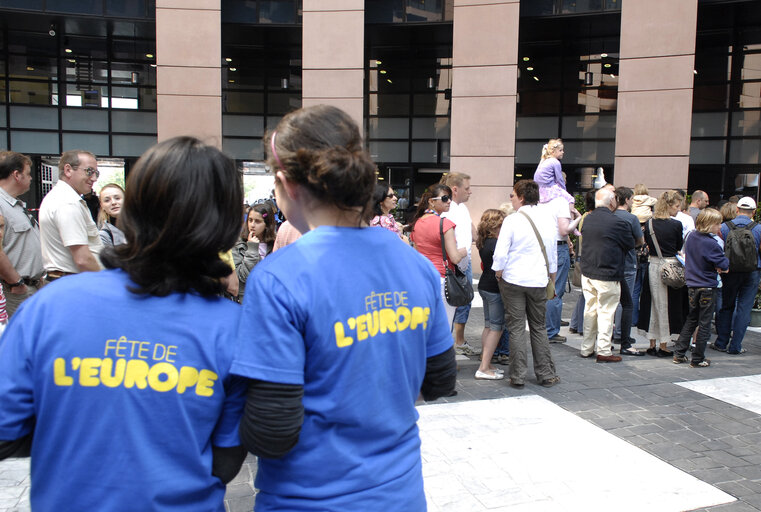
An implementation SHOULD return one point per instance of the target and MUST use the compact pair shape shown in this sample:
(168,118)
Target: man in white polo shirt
(69,236)
(463,233)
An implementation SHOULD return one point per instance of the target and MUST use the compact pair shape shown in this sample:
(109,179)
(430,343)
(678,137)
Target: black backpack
(740,248)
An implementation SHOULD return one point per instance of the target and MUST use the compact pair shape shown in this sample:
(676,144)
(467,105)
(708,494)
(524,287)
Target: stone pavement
(679,436)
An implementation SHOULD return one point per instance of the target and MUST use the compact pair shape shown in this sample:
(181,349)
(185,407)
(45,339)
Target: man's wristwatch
(19,283)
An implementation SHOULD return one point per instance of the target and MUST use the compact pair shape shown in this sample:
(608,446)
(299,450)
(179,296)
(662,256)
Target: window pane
(527,152)
(384,11)
(133,122)
(31,117)
(709,124)
(431,104)
(391,104)
(247,126)
(35,142)
(425,152)
(746,124)
(745,151)
(589,126)
(239,11)
(707,151)
(389,151)
(79,7)
(283,103)
(97,144)
(86,71)
(33,67)
(391,128)
(537,8)
(235,101)
(536,127)
(126,8)
(132,145)
(572,6)
(430,128)
(35,5)
(589,152)
(277,11)
(420,10)
(243,149)
(86,120)
(33,93)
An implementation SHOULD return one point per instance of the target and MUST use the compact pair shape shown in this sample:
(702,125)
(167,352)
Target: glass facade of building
(83,74)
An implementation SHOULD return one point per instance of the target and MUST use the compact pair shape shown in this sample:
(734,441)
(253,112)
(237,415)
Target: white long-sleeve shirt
(518,254)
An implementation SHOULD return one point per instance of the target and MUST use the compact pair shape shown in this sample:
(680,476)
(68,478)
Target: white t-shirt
(559,209)
(66,221)
(687,223)
(463,225)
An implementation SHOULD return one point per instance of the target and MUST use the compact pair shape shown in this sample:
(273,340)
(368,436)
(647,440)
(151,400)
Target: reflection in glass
(33,67)
(277,11)
(31,93)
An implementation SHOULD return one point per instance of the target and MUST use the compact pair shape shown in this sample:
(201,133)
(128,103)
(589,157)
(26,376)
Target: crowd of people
(147,350)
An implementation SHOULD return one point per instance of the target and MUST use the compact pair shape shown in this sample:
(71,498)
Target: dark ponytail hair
(435,190)
(321,149)
(379,195)
(182,210)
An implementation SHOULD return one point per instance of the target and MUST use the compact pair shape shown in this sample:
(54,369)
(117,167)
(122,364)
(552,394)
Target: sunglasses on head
(443,199)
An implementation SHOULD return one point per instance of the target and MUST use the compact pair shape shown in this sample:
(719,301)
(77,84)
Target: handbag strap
(655,240)
(441,236)
(581,237)
(541,244)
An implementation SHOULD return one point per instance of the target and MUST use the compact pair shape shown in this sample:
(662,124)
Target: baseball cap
(746,203)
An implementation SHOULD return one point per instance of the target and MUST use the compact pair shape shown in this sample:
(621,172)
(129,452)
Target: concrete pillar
(484,93)
(188,76)
(654,119)
(333,55)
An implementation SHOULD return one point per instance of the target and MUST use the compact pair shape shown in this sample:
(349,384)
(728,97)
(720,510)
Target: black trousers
(700,315)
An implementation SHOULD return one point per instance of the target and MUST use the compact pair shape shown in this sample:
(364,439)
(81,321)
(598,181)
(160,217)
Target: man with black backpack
(742,237)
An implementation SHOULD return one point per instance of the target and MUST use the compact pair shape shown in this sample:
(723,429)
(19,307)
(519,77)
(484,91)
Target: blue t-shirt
(351,314)
(129,394)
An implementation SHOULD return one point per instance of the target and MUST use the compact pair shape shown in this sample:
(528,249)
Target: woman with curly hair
(488,289)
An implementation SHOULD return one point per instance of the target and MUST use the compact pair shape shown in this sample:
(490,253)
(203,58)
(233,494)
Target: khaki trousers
(601,300)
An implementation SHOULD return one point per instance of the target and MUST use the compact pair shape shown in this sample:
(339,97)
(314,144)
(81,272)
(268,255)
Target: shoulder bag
(550,281)
(457,289)
(672,272)
(576,274)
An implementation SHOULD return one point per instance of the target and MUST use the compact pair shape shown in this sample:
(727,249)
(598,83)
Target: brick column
(333,55)
(484,93)
(655,93)
(188,77)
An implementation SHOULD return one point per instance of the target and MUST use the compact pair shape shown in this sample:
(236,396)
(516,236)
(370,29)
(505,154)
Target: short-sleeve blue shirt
(129,393)
(351,314)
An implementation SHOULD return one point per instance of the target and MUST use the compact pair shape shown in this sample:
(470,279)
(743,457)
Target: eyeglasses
(389,196)
(444,199)
(91,171)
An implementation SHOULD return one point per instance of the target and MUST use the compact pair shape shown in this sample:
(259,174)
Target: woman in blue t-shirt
(341,331)
(120,379)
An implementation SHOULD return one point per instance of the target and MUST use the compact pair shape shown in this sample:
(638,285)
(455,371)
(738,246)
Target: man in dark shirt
(607,239)
(625,309)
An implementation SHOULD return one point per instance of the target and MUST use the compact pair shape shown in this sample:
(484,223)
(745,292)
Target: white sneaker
(466,350)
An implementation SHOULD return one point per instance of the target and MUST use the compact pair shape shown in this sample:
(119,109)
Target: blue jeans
(503,348)
(737,288)
(637,290)
(555,306)
(462,312)
(630,276)
(494,310)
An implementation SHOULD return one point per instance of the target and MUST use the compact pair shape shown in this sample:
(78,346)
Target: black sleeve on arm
(272,418)
(21,447)
(440,376)
(226,462)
